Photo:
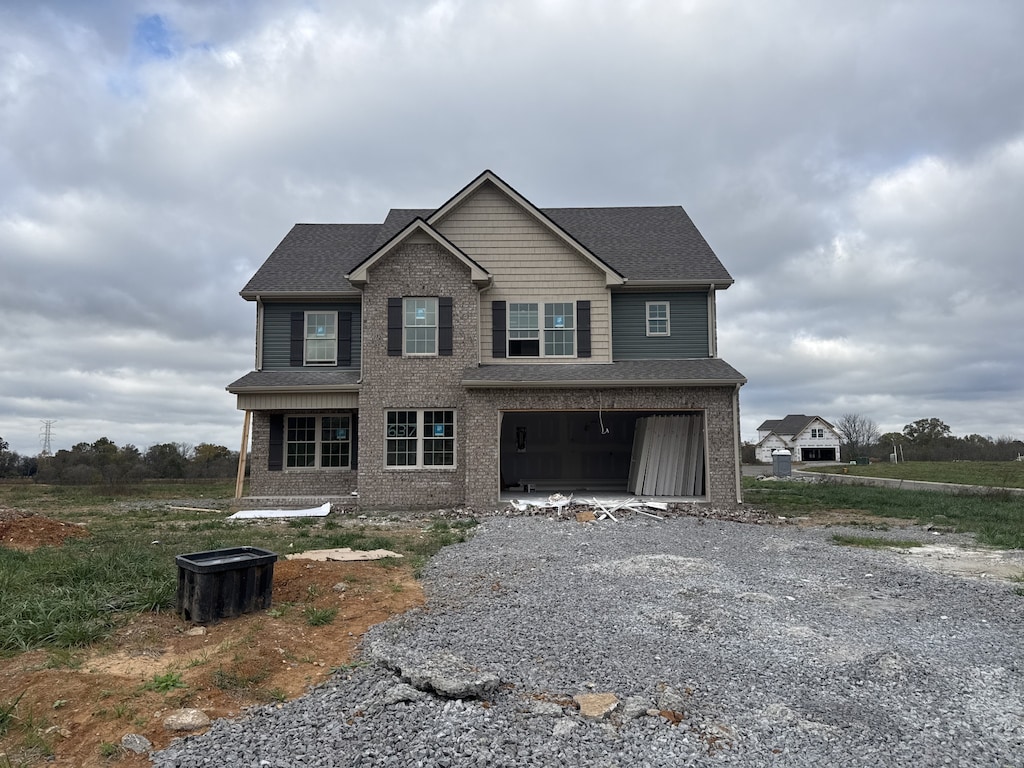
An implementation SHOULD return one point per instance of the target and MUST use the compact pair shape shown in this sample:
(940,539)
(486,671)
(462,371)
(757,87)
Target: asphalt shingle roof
(791,425)
(299,377)
(693,372)
(642,244)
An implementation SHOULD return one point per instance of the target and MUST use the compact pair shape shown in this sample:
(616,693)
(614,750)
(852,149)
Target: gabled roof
(642,247)
(361,275)
(793,424)
(612,276)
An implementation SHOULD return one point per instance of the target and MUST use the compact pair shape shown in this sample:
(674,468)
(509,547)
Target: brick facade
(414,269)
(483,419)
(295,483)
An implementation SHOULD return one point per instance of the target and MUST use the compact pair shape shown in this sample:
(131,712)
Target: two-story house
(486,347)
(807,438)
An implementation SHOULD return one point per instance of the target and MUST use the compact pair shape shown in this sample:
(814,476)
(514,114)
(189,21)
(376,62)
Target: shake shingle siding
(688,326)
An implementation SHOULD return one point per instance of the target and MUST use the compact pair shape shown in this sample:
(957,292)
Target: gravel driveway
(722,643)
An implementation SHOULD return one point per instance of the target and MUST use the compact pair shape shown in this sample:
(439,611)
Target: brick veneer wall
(328,483)
(414,269)
(482,427)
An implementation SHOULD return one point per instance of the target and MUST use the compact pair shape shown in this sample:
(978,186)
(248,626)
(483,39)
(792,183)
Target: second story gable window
(420,326)
(658,318)
(525,331)
(321,338)
(817,433)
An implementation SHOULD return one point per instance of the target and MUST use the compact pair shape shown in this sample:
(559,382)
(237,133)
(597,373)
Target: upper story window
(817,433)
(541,330)
(321,338)
(420,326)
(323,441)
(658,318)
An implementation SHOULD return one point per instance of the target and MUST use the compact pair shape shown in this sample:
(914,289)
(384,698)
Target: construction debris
(248,514)
(343,554)
(587,509)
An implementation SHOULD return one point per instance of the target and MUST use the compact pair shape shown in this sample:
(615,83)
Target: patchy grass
(996,520)
(991,474)
(873,542)
(164,683)
(72,596)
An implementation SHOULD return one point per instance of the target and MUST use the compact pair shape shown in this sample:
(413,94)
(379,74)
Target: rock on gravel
(725,643)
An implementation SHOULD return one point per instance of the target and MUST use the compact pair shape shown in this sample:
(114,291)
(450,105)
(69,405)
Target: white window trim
(540,329)
(306,339)
(318,439)
(648,318)
(405,328)
(420,438)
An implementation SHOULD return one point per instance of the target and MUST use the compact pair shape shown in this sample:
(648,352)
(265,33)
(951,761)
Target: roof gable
(360,275)
(612,276)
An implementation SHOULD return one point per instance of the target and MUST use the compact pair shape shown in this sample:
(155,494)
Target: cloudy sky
(858,167)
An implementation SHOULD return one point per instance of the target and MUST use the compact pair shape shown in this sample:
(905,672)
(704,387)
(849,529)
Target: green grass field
(994,474)
(70,596)
(997,519)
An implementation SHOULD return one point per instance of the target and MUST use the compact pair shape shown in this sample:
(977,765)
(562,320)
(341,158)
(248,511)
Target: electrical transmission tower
(45,433)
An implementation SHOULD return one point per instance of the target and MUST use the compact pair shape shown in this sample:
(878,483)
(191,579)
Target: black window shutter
(275,459)
(344,339)
(444,326)
(498,329)
(395,327)
(298,338)
(582,329)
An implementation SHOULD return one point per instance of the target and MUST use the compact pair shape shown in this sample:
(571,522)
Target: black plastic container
(223,583)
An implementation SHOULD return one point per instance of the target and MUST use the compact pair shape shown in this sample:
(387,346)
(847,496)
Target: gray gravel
(724,643)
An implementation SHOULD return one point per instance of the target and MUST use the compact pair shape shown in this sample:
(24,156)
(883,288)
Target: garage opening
(648,453)
(818,454)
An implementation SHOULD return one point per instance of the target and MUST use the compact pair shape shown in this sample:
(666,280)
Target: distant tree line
(103,462)
(922,440)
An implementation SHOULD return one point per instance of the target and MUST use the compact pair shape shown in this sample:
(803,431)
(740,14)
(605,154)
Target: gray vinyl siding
(277,330)
(688,326)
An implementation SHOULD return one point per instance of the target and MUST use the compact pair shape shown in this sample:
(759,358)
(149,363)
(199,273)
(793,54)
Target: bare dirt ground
(82,704)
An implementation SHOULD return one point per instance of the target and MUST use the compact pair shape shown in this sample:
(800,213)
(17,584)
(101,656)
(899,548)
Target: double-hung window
(420,438)
(541,330)
(817,433)
(657,318)
(319,441)
(321,338)
(420,323)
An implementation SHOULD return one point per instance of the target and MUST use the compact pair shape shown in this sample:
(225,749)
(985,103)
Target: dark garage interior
(581,451)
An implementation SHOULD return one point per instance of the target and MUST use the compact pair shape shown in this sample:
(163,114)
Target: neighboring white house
(808,438)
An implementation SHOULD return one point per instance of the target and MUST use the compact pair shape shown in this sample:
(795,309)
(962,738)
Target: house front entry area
(650,453)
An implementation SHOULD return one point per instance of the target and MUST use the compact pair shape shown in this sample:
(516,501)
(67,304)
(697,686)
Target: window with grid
(420,326)
(321,338)
(559,329)
(657,318)
(525,330)
(420,439)
(323,441)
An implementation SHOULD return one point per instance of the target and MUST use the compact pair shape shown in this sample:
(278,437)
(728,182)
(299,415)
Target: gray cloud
(859,168)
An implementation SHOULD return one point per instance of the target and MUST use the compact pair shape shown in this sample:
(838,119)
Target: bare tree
(857,432)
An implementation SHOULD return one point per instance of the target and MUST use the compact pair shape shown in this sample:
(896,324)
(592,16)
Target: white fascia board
(360,275)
